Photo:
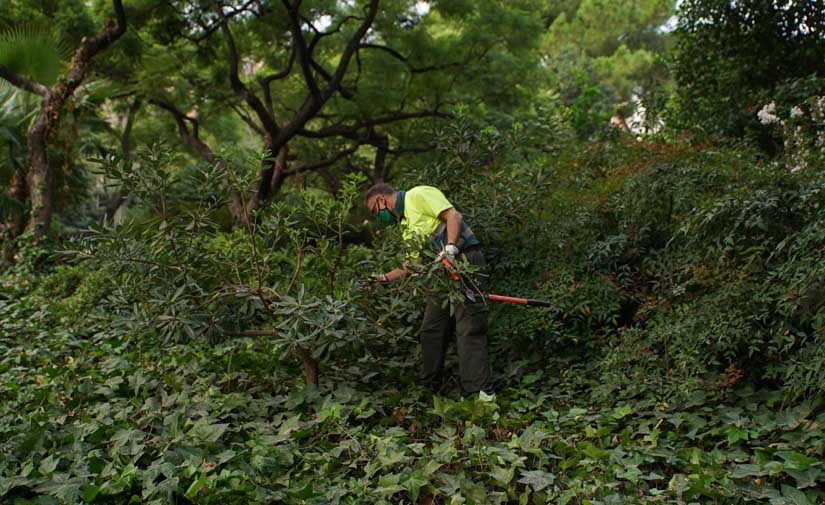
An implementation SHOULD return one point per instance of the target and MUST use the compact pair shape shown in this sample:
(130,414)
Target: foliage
(182,355)
(89,417)
(732,56)
(604,58)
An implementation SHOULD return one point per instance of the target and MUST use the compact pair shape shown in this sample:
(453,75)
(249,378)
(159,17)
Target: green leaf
(48,465)
(806,478)
(797,460)
(413,484)
(593,452)
(90,492)
(502,475)
(209,433)
(537,479)
(744,471)
(621,412)
(794,496)
(736,434)
(196,486)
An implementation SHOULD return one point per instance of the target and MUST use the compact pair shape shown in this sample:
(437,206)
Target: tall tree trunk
(39,172)
(39,175)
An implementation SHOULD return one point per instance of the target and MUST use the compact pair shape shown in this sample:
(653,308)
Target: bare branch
(266,81)
(208,30)
(312,106)
(254,102)
(315,165)
(236,205)
(319,34)
(23,83)
(346,93)
(126,137)
(352,46)
(304,55)
(415,70)
(344,130)
(283,73)
(247,119)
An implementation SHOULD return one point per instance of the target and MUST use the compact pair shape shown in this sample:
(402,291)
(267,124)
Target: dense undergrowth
(167,360)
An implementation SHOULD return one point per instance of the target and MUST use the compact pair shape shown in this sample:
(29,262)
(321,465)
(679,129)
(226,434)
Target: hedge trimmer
(473,292)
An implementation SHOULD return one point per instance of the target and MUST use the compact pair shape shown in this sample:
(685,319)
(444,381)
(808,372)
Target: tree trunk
(39,172)
(270,177)
(310,365)
(280,173)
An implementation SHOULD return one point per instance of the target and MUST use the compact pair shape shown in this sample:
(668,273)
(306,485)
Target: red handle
(446,263)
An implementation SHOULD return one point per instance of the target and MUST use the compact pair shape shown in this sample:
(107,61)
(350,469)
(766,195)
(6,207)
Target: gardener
(426,214)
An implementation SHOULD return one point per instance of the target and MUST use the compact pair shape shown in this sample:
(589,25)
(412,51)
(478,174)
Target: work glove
(450,252)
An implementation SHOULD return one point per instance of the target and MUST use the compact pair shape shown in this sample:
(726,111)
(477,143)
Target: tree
(336,78)
(605,55)
(36,182)
(731,57)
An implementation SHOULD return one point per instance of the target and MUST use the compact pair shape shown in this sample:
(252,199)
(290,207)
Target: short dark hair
(379,189)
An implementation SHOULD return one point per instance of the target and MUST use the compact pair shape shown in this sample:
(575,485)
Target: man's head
(380,201)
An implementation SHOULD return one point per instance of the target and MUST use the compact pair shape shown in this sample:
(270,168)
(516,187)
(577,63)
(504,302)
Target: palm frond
(33,51)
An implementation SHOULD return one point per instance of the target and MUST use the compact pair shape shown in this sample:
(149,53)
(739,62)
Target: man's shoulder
(423,188)
(425,192)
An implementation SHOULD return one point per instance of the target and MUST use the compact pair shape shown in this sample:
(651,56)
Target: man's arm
(397,273)
(453,219)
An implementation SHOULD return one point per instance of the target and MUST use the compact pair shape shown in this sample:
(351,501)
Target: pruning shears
(471,294)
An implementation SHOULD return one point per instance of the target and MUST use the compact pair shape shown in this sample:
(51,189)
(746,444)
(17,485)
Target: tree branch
(126,137)
(415,70)
(283,73)
(236,207)
(238,86)
(248,119)
(23,83)
(344,130)
(311,106)
(315,165)
(352,46)
(304,54)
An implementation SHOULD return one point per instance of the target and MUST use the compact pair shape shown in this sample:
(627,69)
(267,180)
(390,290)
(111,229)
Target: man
(425,213)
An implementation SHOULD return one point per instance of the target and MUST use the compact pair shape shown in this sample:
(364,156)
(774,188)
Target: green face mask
(385,216)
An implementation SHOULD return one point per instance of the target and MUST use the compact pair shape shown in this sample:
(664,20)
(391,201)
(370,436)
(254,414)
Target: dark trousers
(471,339)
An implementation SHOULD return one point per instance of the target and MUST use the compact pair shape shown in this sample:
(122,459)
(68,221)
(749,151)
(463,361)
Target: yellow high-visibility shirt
(420,207)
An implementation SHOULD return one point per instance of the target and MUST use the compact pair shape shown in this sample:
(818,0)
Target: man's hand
(450,252)
(378,278)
